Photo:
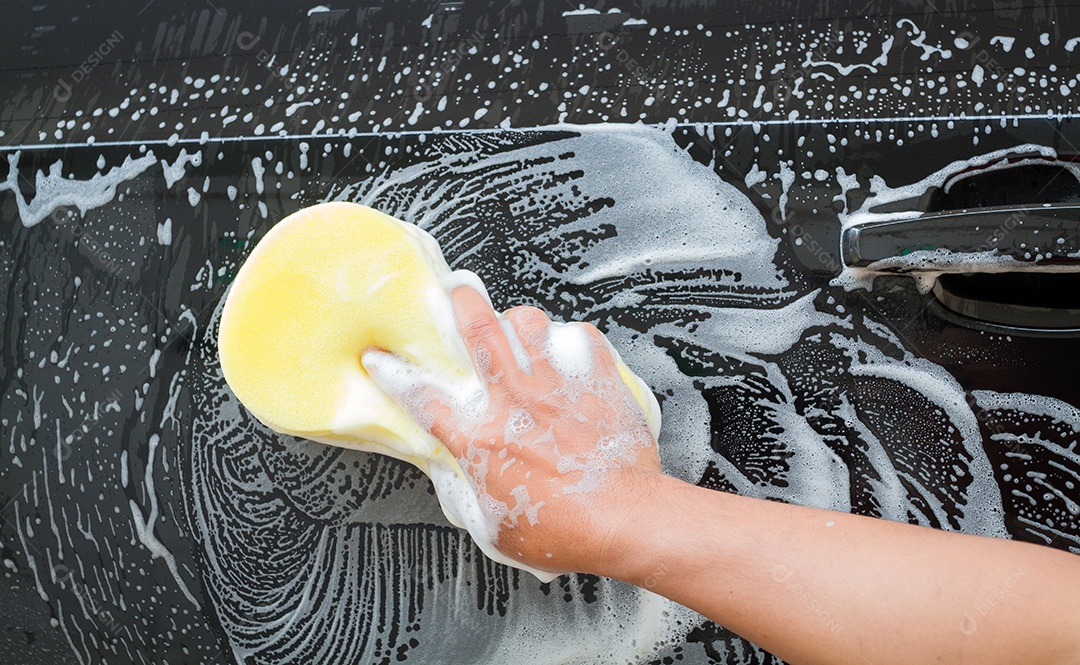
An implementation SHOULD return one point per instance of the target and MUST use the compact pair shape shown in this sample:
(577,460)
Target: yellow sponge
(323,286)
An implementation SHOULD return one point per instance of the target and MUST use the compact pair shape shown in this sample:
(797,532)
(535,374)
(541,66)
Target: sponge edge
(325,285)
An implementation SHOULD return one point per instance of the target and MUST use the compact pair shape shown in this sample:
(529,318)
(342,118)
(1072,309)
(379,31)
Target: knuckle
(535,338)
(531,325)
(527,318)
(479,329)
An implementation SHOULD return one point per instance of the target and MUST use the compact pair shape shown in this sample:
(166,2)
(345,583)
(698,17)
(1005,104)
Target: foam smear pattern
(768,390)
(302,552)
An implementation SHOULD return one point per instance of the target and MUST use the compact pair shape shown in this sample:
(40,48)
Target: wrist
(640,546)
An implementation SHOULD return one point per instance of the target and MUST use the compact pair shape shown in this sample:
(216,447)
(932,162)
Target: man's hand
(559,452)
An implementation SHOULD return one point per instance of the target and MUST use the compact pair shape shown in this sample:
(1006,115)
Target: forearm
(816,586)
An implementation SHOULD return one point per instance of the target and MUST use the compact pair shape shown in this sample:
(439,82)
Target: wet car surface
(148,517)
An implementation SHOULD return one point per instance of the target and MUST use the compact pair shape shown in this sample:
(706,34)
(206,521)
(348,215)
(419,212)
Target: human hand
(557,449)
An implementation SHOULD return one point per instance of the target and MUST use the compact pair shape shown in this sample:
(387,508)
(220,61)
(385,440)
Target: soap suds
(54,191)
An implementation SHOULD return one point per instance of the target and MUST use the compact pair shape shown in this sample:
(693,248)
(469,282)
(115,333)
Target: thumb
(401,380)
(394,375)
(411,387)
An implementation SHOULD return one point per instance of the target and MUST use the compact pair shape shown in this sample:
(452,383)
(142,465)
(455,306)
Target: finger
(483,334)
(530,326)
(444,426)
(604,354)
(411,388)
(578,349)
(601,353)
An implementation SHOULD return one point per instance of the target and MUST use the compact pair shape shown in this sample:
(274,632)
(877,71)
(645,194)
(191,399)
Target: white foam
(925,266)
(616,623)
(881,193)
(1005,42)
(164,232)
(144,525)
(768,330)
(570,349)
(938,261)
(582,11)
(520,355)
(258,170)
(178,169)
(53,190)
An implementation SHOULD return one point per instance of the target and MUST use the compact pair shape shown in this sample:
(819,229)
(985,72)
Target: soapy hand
(555,445)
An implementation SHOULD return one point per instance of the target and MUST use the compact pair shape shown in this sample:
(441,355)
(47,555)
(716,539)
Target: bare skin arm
(811,586)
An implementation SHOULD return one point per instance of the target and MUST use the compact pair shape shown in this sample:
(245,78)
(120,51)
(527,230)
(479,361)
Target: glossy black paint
(163,42)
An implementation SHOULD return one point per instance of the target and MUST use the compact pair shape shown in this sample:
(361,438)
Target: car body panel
(149,517)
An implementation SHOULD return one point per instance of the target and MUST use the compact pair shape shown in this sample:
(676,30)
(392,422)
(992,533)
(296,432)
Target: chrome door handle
(1041,237)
